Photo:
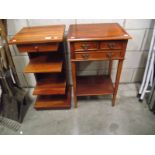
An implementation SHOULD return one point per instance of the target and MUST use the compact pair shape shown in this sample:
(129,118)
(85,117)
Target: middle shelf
(44,64)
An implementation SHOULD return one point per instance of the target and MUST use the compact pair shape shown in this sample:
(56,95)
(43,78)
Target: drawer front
(85,46)
(38,47)
(111,45)
(98,55)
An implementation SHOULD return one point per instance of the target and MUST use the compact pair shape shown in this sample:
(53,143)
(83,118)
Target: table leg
(74,83)
(119,69)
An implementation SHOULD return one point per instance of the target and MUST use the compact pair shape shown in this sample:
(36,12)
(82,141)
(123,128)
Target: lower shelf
(53,102)
(94,85)
(50,85)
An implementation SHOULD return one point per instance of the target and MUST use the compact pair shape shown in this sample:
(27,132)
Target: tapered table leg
(74,83)
(119,69)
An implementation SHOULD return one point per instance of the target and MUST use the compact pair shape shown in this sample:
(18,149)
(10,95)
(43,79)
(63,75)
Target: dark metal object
(13,103)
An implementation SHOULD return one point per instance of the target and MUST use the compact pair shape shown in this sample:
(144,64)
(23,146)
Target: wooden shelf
(43,64)
(46,52)
(39,34)
(50,85)
(53,102)
(94,85)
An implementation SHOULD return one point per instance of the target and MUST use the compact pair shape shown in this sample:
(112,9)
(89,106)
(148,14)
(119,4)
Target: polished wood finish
(98,55)
(39,34)
(88,32)
(83,46)
(73,65)
(94,85)
(43,64)
(118,75)
(53,102)
(44,45)
(111,45)
(50,85)
(97,45)
(96,42)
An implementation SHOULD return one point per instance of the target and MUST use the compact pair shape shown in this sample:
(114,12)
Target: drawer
(111,45)
(98,55)
(38,47)
(85,46)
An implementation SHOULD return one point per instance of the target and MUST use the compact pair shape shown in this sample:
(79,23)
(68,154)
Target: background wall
(137,49)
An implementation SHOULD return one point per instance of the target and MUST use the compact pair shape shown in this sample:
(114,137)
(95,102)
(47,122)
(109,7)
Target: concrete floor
(94,115)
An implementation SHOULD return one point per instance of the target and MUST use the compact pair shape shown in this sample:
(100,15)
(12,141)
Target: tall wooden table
(96,42)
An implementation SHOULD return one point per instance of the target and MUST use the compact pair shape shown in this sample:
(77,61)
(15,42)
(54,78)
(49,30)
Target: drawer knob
(111,45)
(85,56)
(36,47)
(109,55)
(85,46)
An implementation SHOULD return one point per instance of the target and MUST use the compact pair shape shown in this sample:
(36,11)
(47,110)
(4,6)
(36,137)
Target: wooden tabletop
(106,31)
(39,34)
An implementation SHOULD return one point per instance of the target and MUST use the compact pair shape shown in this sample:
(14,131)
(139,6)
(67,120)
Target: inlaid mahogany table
(96,42)
(44,45)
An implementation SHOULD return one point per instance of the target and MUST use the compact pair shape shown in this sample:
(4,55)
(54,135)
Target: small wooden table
(95,42)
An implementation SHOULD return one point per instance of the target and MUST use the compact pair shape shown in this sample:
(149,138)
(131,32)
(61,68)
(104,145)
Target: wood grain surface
(43,64)
(50,85)
(106,31)
(53,102)
(94,85)
(39,34)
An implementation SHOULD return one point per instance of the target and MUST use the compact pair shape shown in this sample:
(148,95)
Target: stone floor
(94,116)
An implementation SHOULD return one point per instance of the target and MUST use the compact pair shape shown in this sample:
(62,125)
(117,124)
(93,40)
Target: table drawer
(98,55)
(111,45)
(38,47)
(85,46)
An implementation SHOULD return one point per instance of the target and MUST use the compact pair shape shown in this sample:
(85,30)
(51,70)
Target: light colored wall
(137,49)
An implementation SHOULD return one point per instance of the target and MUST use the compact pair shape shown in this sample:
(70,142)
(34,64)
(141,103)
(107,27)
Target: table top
(106,31)
(39,34)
